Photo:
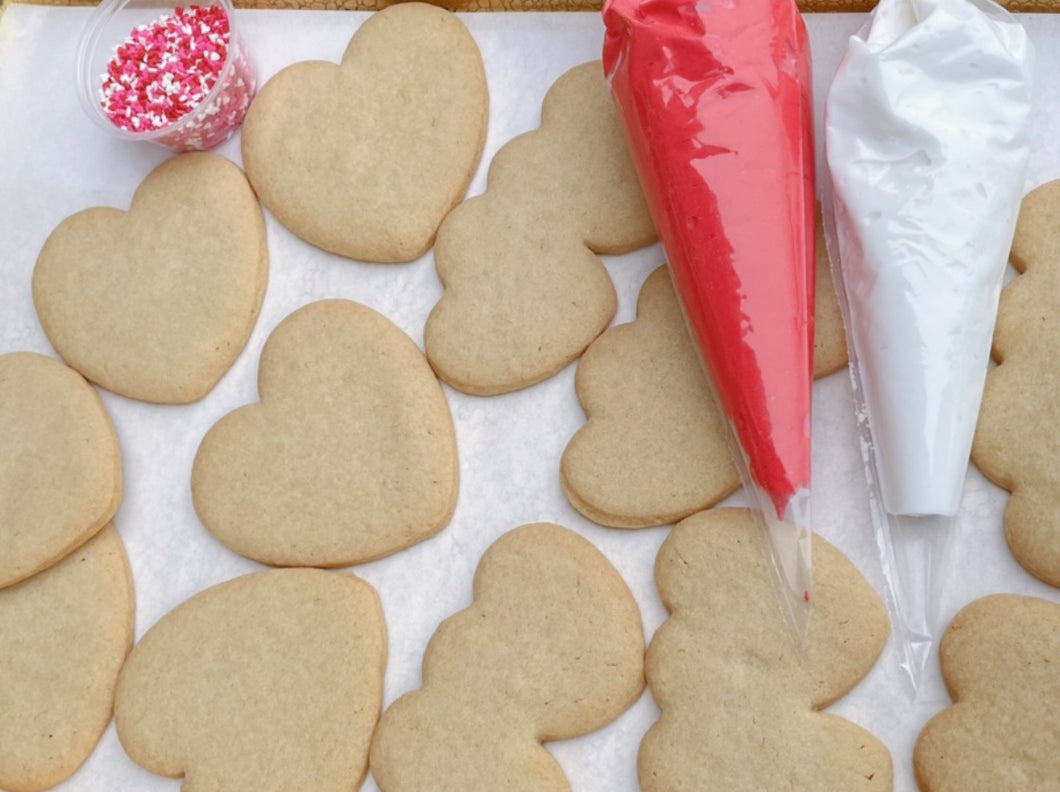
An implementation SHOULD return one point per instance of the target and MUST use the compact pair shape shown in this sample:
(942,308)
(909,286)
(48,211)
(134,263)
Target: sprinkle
(166,69)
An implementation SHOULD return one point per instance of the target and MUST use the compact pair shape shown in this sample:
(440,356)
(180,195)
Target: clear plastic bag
(926,129)
(718,113)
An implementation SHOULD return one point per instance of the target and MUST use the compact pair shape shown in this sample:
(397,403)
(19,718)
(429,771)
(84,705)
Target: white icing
(927,143)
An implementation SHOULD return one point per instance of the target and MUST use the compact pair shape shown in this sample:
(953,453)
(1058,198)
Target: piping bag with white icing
(927,127)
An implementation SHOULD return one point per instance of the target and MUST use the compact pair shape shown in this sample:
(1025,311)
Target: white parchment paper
(53,162)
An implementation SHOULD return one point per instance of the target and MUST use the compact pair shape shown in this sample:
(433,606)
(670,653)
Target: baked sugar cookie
(524,290)
(349,456)
(738,703)
(60,467)
(157,303)
(1002,734)
(551,648)
(655,448)
(271,682)
(364,158)
(64,634)
(1017,440)
(829,338)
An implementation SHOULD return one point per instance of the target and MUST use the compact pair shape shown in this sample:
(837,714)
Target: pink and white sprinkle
(166,69)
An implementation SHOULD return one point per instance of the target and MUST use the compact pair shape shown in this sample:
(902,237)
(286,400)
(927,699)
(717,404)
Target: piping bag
(927,140)
(715,100)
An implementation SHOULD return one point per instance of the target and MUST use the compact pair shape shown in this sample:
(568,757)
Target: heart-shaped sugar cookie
(739,704)
(551,648)
(655,447)
(60,467)
(271,682)
(1017,438)
(525,292)
(1002,734)
(366,157)
(64,634)
(350,455)
(156,303)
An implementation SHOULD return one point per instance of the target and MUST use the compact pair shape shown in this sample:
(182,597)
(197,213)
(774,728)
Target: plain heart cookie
(349,456)
(157,303)
(1017,439)
(60,466)
(655,448)
(364,158)
(271,682)
(738,702)
(999,660)
(525,292)
(552,647)
(64,634)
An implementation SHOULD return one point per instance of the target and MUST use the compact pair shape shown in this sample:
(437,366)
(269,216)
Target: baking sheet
(53,162)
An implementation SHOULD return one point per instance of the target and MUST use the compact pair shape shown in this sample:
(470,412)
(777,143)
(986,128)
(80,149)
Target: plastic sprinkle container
(178,76)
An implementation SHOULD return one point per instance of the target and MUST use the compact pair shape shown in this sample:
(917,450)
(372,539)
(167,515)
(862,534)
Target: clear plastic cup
(209,123)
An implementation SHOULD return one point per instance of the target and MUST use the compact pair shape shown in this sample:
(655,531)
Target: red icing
(715,97)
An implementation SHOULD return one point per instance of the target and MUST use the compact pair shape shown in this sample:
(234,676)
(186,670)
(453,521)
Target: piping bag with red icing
(715,99)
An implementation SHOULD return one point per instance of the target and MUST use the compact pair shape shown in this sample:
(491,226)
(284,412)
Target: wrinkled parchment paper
(53,162)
